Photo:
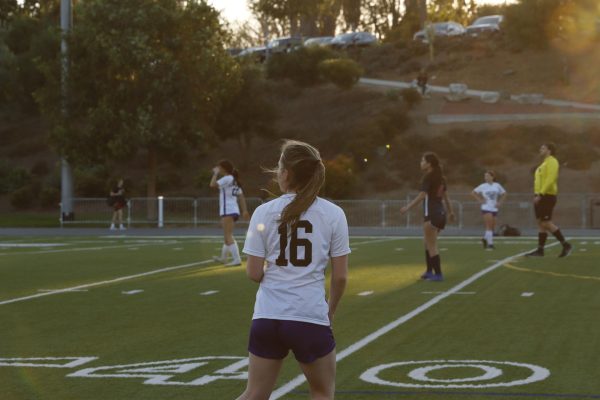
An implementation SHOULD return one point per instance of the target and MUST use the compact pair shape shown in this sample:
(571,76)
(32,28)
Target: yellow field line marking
(558,274)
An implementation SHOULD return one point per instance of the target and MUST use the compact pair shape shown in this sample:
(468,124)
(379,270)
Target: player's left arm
(448,206)
(243,206)
(255,268)
(339,278)
(501,199)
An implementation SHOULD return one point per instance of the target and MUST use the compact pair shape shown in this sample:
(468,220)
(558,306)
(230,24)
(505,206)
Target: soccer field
(115,318)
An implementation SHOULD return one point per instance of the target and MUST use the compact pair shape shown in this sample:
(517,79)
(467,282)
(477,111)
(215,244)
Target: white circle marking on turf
(420,374)
(538,374)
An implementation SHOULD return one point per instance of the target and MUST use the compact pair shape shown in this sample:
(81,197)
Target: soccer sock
(542,236)
(235,251)
(436,264)
(558,235)
(489,237)
(224,251)
(428,260)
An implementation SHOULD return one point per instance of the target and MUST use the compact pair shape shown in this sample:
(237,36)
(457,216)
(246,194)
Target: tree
(248,113)
(351,11)
(146,77)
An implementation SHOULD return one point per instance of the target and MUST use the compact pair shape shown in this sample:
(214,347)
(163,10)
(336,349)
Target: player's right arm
(255,268)
(213,180)
(477,196)
(413,203)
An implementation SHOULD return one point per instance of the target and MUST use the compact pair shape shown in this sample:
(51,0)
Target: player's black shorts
(544,207)
(436,217)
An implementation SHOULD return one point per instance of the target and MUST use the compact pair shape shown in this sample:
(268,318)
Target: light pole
(66,180)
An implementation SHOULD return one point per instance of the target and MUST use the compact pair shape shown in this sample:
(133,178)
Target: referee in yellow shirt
(546,189)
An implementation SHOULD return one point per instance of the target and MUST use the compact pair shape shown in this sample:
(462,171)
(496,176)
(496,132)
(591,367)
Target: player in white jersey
(289,243)
(230,193)
(490,195)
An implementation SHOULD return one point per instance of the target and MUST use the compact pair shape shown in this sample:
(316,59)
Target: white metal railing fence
(573,211)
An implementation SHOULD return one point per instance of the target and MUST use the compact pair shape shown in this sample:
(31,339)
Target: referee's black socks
(559,236)
(542,236)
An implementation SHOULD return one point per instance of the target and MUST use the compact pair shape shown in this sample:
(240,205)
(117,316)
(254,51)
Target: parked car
(449,28)
(318,41)
(353,39)
(284,44)
(487,24)
(258,53)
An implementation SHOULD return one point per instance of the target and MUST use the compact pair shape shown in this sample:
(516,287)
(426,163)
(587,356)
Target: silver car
(353,39)
(487,24)
(449,28)
(318,41)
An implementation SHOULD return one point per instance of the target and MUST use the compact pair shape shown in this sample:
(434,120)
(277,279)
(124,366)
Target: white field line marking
(121,279)
(367,293)
(54,290)
(582,249)
(527,294)
(387,239)
(300,379)
(28,245)
(209,292)
(79,249)
(452,293)
(130,292)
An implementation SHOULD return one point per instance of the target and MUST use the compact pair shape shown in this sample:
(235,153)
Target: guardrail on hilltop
(573,211)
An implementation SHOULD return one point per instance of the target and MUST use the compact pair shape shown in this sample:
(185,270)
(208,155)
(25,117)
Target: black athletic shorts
(544,207)
(437,218)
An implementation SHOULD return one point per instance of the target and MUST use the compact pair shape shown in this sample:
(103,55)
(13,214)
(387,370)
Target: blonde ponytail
(306,176)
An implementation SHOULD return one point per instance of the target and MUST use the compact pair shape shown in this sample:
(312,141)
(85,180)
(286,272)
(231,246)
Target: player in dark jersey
(435,204)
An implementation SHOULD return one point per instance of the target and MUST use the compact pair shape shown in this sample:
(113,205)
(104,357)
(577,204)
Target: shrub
(343,73)
(301,66)
(40,168)
(23,198)
(392,94)
(28,148)
(91,182)
(340,180)
(49,197)
(11,178)
(411,97)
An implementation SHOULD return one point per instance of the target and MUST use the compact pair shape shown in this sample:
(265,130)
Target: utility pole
(66,180)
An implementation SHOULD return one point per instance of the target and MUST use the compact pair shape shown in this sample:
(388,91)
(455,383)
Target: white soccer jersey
(491,192)
(293,287)
(228,193)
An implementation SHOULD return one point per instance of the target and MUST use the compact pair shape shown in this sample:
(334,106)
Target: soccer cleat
(490,247)
(218,259)
(484,242)
(535,253)
(566,250)
(122,227)
(112,227)
(436,278)
(426,276)
(234,263)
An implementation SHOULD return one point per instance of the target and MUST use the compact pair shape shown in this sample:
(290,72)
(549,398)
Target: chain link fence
(573,211)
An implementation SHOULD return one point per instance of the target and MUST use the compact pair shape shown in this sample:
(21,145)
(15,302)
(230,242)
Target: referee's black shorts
(545,207)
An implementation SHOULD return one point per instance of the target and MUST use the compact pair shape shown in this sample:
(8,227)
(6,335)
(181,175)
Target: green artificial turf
(452,338)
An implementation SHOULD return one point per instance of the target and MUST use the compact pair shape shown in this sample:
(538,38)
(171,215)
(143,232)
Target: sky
(237,10)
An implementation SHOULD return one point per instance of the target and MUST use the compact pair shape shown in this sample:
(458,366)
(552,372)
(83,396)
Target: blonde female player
(289,243)
(490,195)
(230,193)
(434,197)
